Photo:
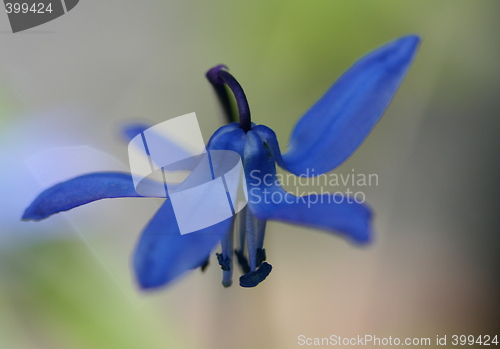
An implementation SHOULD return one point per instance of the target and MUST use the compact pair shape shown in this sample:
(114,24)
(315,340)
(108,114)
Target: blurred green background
(73,82)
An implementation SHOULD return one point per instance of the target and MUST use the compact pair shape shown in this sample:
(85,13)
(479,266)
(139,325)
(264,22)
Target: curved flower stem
(219,76)
(241,99)
(222,93)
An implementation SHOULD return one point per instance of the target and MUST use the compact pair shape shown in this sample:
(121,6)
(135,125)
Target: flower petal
(85,189)
(228,137)
(163,254)
(339,122)
(271,142)
(268,200)
(330,212)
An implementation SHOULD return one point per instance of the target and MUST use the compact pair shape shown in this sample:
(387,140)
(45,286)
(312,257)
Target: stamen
(226,259)
(242,233)
(255,277)
(251,227)
(242,229)
(218,76)
(261,255)
(261,231)
(259,269)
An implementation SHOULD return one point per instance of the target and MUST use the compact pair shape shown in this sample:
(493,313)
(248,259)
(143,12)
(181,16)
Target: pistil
(220,76)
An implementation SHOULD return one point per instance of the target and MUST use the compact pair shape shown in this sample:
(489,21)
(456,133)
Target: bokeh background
(68,86)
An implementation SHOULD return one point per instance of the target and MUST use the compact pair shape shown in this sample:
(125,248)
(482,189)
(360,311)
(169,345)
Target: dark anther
(225,263)
(255,277)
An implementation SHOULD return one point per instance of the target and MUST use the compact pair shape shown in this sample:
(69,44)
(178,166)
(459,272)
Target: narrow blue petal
(132,130)
(268,200)
(163,254)
(339,122)
(271,142)
(85,189)
(333,213)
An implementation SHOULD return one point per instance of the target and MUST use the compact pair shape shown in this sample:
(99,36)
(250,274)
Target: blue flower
(322,139)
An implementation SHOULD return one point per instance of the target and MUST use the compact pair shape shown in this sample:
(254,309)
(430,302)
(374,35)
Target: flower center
(218,77)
